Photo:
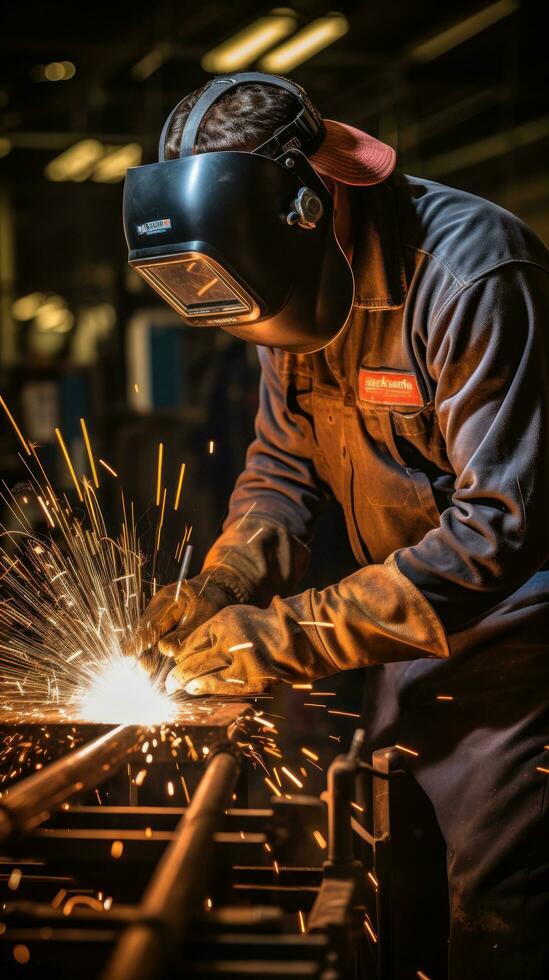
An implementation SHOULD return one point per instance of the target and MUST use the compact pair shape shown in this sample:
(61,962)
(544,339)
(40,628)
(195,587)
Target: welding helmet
(244,241)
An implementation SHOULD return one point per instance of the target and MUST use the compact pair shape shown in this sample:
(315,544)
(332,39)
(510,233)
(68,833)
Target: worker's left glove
(375,616)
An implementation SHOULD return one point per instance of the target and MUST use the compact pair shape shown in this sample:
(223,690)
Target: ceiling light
(150,63)
(113,166)
(245,47)
(76,163)
(306,43)
(54,315)
(70,70)
(54,72)
(465,29)
(58,71)
(26,307)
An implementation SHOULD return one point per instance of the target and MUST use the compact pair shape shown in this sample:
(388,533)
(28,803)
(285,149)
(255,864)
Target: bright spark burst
(72,595)
(122,692)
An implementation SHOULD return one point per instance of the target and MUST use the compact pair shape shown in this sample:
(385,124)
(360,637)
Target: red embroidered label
(389,388)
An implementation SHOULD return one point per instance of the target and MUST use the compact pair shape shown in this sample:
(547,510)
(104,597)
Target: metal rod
(32,800)
(180,880)
(341,791)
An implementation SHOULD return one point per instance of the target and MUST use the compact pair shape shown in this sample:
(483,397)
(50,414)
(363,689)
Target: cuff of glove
(257,559)
(236,591)
(374,616)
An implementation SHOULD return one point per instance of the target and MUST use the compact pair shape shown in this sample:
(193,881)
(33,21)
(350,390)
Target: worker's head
(234,227)
(242,118)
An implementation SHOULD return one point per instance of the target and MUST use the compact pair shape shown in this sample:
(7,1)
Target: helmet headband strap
(307,129)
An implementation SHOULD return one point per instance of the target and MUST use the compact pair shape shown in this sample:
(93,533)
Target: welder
(403,336)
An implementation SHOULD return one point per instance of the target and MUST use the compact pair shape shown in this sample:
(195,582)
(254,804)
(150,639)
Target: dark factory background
(458,88)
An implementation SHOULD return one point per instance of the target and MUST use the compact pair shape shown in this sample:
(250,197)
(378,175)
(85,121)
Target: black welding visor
(243,242)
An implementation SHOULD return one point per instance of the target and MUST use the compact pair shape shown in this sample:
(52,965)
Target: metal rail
(32,801)
(179,881)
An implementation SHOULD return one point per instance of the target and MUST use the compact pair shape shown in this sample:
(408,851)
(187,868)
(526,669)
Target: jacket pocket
(418,440)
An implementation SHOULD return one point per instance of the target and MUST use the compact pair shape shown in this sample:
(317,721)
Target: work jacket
(427,418)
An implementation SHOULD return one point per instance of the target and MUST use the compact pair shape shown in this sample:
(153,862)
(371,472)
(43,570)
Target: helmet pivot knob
(307,209)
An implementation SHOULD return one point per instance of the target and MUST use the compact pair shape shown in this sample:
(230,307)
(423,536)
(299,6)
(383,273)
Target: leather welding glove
(198,599)
(249,562)
(374,616)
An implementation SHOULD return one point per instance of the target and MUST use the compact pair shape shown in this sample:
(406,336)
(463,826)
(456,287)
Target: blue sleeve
(488,350)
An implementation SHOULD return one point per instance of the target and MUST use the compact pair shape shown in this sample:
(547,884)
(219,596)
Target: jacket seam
(386,303)
(439,259)
(483,275)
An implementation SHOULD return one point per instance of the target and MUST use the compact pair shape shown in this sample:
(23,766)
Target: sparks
(15,426)
(68,461)
(403,748)
(159,473)
(294,779)
(89,451)
(108,468)
(320,840)
(123,692)
(346,714)
(179,486)
(315,622)
(272,786)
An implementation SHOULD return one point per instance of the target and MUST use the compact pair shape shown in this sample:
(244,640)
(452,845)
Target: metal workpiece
(191,712)
(32,801)
(180,879)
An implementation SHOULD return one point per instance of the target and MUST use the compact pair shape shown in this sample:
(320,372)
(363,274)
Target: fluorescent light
(245,47)
(150,63)
(113,166)
(306,43)
(76,163)
(89,158)
(465,29)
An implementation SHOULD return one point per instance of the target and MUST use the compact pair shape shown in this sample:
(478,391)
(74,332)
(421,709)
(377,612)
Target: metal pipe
(31,801)
(341,791)
(180,880)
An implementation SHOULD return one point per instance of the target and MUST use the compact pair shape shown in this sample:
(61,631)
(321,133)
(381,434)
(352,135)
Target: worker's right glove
(172,614)
(249,562)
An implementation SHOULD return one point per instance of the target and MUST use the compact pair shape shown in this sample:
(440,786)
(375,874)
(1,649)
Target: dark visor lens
(194,287)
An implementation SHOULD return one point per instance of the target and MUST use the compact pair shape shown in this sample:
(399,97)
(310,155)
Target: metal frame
(259,868)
